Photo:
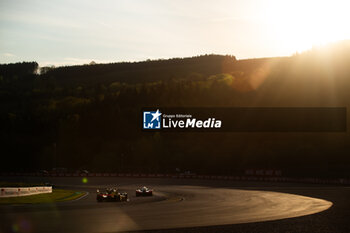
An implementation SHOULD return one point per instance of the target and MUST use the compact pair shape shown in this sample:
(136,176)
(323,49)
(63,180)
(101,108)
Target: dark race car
(144,191)
(111,194)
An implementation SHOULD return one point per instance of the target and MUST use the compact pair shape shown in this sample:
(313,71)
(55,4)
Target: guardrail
(24,191)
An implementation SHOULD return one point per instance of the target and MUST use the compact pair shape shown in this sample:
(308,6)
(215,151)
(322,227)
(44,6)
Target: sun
(299,25)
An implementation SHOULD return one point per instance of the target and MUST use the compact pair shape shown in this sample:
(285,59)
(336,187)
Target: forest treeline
(88,116)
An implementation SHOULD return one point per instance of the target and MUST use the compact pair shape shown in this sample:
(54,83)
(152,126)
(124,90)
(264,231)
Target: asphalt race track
(176,204)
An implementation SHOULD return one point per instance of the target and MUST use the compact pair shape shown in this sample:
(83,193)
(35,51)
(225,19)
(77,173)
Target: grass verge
(57,195)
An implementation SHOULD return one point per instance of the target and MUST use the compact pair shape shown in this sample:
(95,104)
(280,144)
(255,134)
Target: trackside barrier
(340,181)
(24,191)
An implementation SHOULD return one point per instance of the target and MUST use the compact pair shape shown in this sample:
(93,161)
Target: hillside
(88,116)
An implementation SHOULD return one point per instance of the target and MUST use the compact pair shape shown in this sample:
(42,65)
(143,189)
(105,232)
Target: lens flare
(15,228)
(21,225)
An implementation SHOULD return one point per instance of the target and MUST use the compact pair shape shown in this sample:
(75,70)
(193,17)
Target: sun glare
(300,25)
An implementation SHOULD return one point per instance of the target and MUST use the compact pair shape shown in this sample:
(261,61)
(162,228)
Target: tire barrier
(257,178)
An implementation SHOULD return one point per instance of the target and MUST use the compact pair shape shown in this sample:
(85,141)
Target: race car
(144,191)
(111,194)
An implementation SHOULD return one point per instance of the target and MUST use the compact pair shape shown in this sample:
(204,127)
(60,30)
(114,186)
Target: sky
(67,32)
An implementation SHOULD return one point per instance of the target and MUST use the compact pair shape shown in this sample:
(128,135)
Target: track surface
(174,205)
